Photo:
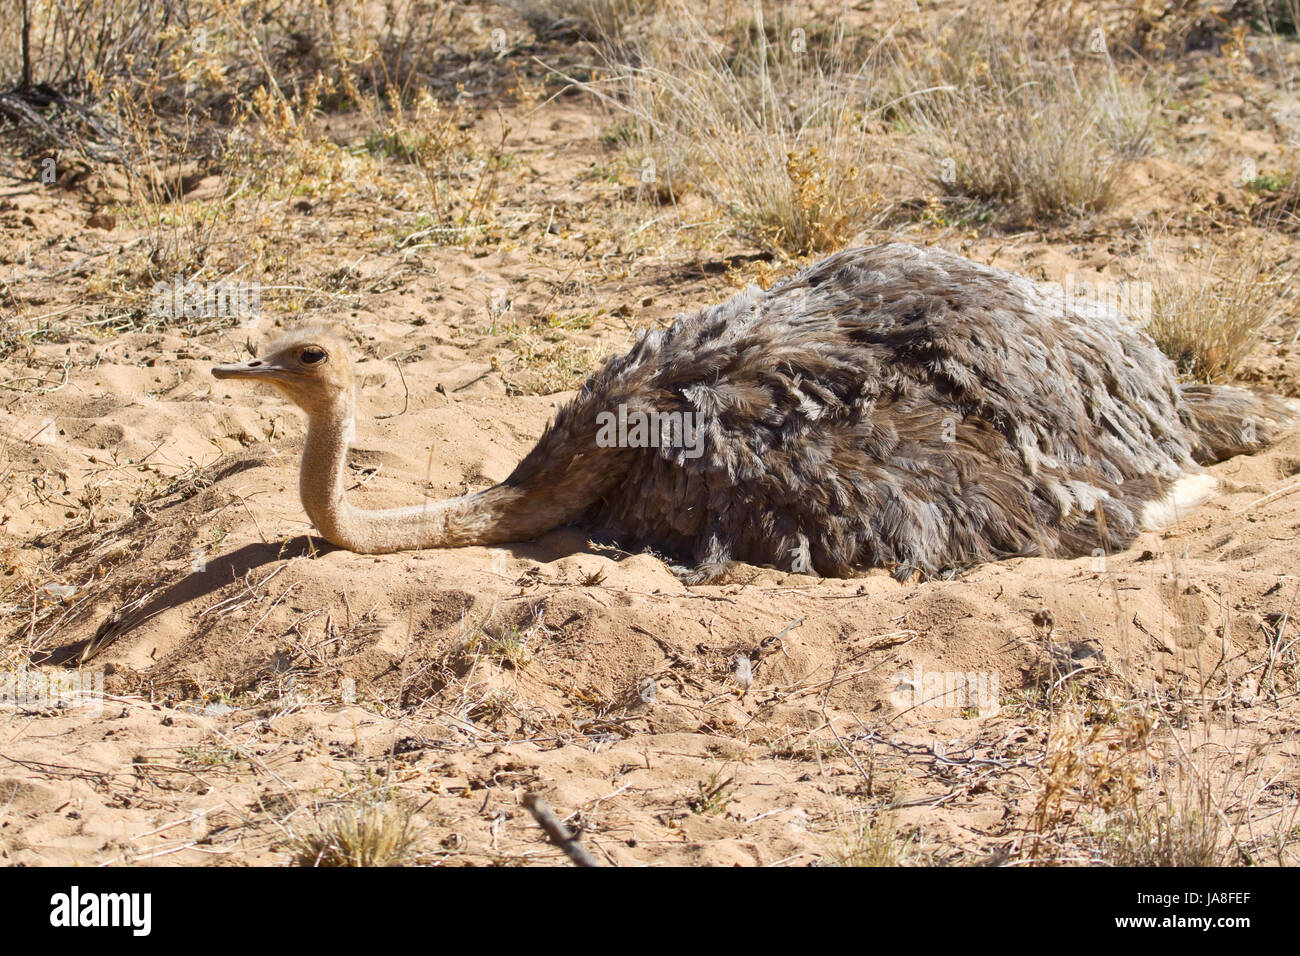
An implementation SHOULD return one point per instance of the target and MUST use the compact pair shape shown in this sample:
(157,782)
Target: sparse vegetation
(544,360)
(1162,836)
(862,841)
(712,796)
(214,755)
(778,137)
(204,51)
(1208,311)
(360,831)
(1041,129)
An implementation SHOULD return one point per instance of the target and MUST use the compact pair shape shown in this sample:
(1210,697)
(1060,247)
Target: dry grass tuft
(545,361)
(462,179)
(360,832)
(1207,315)
(182,236)
(1164,835)
(862,841)
(206,51)
(870,839)
(1121,786)
(1023,123)
(777,135)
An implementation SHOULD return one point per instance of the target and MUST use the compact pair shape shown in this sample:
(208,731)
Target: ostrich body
(889,406)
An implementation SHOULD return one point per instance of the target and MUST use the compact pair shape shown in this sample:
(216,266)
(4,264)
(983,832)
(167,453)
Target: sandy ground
(257,679)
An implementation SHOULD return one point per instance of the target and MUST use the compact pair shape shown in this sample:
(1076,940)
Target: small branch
(406,399)
(1277,494)
(556,831)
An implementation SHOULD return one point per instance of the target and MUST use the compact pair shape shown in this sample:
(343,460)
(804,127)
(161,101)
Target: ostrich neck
(504,512)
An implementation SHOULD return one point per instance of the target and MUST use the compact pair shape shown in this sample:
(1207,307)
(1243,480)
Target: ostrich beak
(255,369)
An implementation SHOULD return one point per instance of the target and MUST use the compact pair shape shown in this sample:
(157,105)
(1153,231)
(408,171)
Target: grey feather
(892,406)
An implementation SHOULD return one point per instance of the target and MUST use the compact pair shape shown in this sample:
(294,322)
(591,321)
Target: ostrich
(890,406)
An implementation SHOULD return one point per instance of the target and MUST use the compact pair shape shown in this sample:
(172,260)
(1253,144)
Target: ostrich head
(310,366)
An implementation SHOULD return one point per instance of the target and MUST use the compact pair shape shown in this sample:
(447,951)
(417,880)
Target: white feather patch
(1188,493)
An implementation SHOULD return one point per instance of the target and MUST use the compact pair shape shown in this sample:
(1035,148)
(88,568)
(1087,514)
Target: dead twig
(557,832)
(406,398)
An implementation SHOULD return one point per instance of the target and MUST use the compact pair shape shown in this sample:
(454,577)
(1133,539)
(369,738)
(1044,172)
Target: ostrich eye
(312,356)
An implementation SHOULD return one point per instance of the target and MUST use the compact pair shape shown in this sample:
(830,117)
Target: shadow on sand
(218,572)
(227,569)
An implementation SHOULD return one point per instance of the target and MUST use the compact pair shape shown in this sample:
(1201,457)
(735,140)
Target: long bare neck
(505,512)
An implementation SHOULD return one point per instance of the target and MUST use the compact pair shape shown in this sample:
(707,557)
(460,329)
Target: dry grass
(1024,123)
(863,841)
(777,137)
(599,20)
(515,646)
(225,232)
(1207,314)
(360,831)
(278,159)
(1163,835)
(544,361)
(1122,785)
(791,130)
(462,178)
(75,41)
(205,51)
(171,93)
(181,237)
(1094,764)
(1197,809)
